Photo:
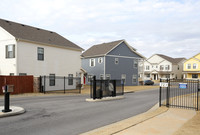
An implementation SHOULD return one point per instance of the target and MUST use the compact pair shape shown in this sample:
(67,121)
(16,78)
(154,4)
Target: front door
(155,77)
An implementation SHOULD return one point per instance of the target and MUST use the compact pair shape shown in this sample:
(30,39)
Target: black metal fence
(60,84)
(181,93)
(106,88)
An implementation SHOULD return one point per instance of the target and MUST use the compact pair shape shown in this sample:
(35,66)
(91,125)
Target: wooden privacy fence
(22,84)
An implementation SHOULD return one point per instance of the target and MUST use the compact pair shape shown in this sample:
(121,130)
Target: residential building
(162,66)
(192,67)
(26,50)
(113,60)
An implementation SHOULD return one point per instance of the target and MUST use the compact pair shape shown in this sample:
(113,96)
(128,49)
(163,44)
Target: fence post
(160,94)
(64,84)
(198,89)
(44,84)
(94,87)
(114,88)
(167,104)
(41,84)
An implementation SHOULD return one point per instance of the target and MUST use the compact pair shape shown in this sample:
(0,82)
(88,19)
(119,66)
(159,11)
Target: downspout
(104,67)
(16,56)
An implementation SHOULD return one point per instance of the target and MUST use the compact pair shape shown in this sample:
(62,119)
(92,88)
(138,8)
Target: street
(72,115)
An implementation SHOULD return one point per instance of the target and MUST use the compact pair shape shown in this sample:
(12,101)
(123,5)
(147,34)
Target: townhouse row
(27,50)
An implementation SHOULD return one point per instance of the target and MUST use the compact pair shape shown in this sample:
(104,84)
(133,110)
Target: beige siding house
(26,50)
(162,66)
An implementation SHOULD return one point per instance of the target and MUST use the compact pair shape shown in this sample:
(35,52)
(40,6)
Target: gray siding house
(113,60)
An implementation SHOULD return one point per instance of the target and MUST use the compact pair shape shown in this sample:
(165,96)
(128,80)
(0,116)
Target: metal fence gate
(106,88)
(181,93)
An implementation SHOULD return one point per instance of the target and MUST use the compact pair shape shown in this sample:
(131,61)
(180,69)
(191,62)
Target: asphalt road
(72,115)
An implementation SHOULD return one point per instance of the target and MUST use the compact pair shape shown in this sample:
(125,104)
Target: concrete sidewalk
(157,121)
(163,124)
(15,111)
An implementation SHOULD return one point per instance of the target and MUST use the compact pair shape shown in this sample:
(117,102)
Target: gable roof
(29,33)
(170,59)
(101,49)
(105,48)
(194,57)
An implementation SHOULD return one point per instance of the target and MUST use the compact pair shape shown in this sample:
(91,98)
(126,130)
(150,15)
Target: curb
(127,123)
(15,111)
(104,99)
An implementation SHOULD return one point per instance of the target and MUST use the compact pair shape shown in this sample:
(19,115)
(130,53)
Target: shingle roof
(170,59)
(101,49)
(25,32)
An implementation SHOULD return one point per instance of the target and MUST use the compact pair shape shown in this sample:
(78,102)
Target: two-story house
(162,66)
(113,60)
(192,67)
(26,50)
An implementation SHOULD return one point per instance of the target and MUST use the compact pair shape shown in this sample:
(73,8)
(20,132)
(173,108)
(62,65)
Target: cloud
(171,27)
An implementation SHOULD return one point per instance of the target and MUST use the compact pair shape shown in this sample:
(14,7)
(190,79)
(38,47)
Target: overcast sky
(169,27)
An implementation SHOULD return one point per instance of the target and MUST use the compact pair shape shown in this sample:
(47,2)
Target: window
(22,74)
(90,78)
(194,66)
(148,75)
(134,79)
(10,51)
(92,62)
(40,53)
(12,74)
(178,67)
(116,61)
(167,76)
(52,79)
(101,76)
(166,67)
(188,66)
(70,79)
(194,75)
(161,67)
(100,60)
(108,77)
(135,64)
(123,78)
(147,68)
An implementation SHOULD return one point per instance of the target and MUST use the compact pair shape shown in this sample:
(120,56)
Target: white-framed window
(123,78)
(100,60)
(161,67)
(92,62)
(70,79)
(101,77)
(10,51)
(22,74)
(52,79)
(189,66)
(147,67)
(116,61)
(90,78)
(40,52)
(134,79)
(195,66)
(108,76)
(166,67)
(135,64)
(148,75)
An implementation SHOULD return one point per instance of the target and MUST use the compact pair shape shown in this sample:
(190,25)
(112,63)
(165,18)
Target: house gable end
(123,50)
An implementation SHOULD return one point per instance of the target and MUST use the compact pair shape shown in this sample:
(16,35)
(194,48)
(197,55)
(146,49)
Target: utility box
(8,88)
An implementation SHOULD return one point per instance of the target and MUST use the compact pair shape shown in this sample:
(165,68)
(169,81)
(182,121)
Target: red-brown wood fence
(22,84)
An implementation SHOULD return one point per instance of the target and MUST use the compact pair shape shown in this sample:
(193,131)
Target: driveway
(72,115)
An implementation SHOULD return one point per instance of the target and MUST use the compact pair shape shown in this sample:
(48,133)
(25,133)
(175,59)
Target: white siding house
(26,50)
(162,66)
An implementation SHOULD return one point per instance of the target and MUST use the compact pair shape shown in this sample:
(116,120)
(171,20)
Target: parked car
(148,82)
